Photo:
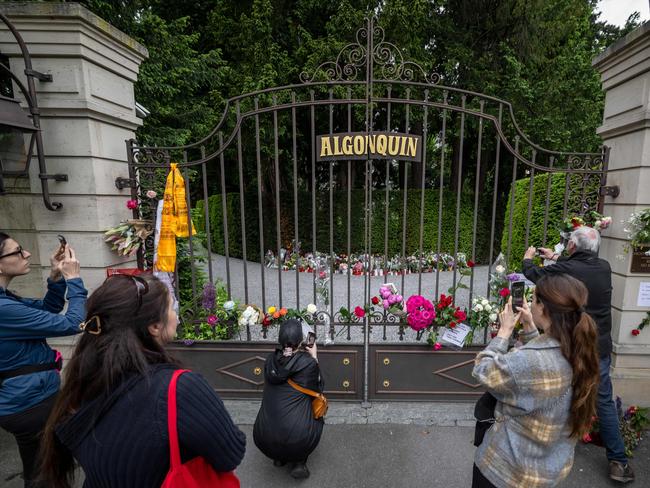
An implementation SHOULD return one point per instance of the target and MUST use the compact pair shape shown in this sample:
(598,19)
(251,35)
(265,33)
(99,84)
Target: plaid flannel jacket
(529,445)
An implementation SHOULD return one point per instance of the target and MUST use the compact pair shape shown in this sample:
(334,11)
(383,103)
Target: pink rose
(437,346)
(359,312)
(132,204)
(386,304)
(151,194)
(212,319)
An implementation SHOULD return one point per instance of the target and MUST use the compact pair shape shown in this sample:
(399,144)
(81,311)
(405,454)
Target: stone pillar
(625,74)
(87,112)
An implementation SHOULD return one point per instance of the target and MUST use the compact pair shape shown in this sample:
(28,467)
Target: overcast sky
(617,11)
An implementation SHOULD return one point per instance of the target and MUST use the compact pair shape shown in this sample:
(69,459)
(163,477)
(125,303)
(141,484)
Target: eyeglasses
(20,251)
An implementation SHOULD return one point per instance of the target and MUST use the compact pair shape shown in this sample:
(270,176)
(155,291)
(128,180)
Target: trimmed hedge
(538,209)
(339,219)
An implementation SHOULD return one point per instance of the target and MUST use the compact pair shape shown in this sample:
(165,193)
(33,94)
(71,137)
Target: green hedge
(538,209)
(339,218)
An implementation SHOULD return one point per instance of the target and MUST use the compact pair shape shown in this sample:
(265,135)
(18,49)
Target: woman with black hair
(111,415)
(29,376)
(285,429)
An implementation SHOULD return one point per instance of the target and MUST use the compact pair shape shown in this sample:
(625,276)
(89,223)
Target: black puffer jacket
(285,428)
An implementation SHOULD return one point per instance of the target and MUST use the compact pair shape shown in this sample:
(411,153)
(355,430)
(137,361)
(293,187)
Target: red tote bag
(196,473)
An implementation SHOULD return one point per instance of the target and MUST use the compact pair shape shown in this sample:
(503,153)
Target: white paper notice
(643,299)
(457,335)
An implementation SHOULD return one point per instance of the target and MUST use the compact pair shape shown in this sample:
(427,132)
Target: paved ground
(358,452)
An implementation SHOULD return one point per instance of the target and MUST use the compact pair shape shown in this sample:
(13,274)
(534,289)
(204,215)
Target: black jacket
(596,274)
(121,439)
(285,428)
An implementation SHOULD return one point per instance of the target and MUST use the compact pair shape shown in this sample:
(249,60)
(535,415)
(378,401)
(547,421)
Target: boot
(620,472)
(300,471)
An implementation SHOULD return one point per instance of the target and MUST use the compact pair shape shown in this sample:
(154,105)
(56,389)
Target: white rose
(242,320)
(229,305)
(311,308)
(484,302)
(478,308)
(493,317)
(487,307)
(500,269)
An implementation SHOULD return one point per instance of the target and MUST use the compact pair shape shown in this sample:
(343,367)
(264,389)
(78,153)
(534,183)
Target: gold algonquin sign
(361,145)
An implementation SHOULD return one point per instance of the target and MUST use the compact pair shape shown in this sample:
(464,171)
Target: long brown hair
(564,298)
(125,307)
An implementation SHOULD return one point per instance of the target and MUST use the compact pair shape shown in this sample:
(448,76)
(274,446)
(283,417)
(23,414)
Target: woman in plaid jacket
(545,390)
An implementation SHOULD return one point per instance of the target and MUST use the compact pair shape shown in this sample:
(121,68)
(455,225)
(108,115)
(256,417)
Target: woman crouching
(285,429)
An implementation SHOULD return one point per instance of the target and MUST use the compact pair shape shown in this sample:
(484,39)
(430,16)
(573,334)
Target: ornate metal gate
(409,217)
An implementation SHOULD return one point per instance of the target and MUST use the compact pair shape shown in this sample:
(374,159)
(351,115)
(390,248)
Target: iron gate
(391,212)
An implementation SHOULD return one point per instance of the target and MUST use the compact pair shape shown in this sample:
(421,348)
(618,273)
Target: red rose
(460,315)
(635,332)
(359,312)
(452,325)
(504,292)
(470,264)
(265,321)
(375,301)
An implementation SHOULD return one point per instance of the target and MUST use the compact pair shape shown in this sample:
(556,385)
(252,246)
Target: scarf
(174,220)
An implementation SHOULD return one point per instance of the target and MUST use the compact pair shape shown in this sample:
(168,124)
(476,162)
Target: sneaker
(278,464)
(300,471)
(621,472)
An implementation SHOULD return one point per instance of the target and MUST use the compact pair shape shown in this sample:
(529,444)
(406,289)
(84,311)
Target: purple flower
(513,277)
(209,296)
(188,342)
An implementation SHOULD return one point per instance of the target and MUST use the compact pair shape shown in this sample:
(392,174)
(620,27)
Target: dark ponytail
(564,298)
(3,238)
(122,311)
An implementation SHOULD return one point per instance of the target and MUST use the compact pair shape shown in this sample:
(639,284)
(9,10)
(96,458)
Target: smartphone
(517,290)
(63,242)
(311,339)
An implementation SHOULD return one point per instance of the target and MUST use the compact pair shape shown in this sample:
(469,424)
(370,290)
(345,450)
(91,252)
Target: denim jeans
(608,417)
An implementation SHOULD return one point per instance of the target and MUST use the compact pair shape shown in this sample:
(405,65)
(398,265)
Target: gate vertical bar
(260,210)
(313,186)
(425,122)
(224,215)
(331,215)
(349,230)
(405,201)
(386,203)
(513,190)
(190,239)
(443,148)
(206,211)
(476,192)
(548,197)
(459,188)
(603,178)
(242,210)
(295,195)
(276,161)
(530,200)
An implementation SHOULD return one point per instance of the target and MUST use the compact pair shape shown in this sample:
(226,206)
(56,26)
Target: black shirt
(596,274)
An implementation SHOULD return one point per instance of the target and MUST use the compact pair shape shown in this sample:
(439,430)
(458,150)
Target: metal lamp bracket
(610,191)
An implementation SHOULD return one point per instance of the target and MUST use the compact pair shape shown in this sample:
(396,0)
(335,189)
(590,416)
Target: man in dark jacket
(584,264)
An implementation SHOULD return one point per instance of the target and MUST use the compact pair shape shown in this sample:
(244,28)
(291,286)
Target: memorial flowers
(128,237)
(646,321)
(637,228)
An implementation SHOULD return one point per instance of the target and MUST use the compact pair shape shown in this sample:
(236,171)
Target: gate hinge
(610,191)
(122,183)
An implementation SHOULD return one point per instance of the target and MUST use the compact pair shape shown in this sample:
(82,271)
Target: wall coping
(54,10)
(625,42)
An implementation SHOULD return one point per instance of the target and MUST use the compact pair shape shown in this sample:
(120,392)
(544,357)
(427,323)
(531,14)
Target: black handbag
(484,414)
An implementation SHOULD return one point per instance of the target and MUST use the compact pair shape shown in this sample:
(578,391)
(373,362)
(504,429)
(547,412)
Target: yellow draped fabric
(174,222)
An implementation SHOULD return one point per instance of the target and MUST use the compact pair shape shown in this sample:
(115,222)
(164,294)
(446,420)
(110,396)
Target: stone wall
(625,74)
(87,113)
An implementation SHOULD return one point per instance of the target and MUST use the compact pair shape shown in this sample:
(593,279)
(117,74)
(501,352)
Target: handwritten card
(456,336)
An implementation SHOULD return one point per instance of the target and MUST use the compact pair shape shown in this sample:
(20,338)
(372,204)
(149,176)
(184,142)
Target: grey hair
(585,239)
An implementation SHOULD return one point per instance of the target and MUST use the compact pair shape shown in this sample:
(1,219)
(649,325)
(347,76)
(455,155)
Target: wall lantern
(20,135)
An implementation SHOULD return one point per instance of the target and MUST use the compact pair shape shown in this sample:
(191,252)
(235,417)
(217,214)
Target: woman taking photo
(29,376)
(111,415)
(545,390)
(285,429)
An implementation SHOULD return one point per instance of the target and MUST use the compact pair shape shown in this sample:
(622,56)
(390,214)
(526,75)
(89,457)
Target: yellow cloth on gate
(174,222)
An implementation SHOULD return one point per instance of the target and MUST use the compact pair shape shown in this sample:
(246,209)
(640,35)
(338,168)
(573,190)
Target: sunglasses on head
(20,251)
(141,287)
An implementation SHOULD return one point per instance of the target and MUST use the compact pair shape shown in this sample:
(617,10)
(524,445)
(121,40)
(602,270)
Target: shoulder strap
(301,389)
(172,423)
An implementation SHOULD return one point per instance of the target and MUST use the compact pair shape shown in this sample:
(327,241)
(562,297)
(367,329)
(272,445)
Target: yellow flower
(271,310)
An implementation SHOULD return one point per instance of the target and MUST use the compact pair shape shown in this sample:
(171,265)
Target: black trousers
(27,427)
(480,481)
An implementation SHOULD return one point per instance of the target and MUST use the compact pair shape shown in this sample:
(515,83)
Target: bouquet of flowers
(216,319)
(590,219)
(637,228)
(420,313)
(129,236)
